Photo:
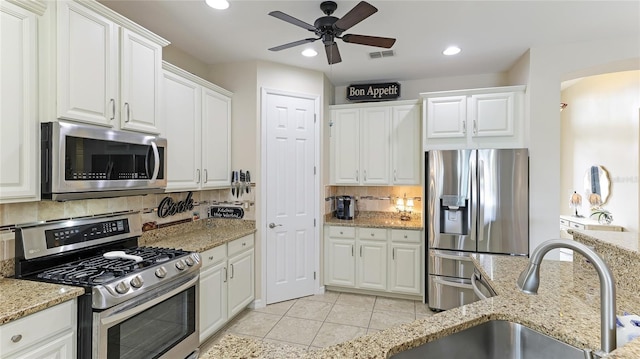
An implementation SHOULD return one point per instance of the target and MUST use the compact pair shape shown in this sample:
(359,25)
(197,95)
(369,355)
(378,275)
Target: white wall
(548,66)
(176,56)
(411,89)
(600,127)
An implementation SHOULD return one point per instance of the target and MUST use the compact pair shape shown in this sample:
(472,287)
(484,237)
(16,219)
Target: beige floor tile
(277,308)
(423,311)
(308,309)
(384,320)
(394,305)
(253,323)
(329,297)
(371,330)
(366,302)
(280,342)
(295,330)
(331,334)
(349,315)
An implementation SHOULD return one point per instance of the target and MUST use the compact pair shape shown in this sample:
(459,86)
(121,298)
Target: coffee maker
(345,207)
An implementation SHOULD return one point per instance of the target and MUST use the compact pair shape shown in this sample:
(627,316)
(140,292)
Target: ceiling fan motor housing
(328,7)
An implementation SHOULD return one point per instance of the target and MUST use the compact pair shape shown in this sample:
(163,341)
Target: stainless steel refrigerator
(477,202)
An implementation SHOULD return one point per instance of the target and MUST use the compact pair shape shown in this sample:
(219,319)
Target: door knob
(273,225)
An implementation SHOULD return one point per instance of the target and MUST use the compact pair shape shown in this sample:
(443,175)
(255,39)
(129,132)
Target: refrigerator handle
(474,195)
(480,233)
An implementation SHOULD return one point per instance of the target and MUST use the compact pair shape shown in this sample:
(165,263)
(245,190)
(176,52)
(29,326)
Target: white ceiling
(492,34)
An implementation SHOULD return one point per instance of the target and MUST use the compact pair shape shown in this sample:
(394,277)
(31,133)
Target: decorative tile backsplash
(374,198)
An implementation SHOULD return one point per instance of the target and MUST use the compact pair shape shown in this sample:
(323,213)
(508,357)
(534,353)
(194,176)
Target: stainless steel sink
(496,339)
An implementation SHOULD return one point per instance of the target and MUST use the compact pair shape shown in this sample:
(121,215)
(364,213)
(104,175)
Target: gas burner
(103,277)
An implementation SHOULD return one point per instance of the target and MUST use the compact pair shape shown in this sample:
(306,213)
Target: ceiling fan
(328,28)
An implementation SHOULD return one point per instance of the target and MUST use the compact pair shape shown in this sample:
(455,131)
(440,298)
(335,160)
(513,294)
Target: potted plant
(602,215)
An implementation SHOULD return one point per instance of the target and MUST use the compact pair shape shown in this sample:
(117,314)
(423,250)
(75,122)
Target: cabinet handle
(395,176)
(225,275)
(464,127)
(16,338)
(361,251)
(198,174)
(113,109)
(352,250)
(128,110)
(206,176)
(365,175)
(231,277)
(475,127)
(393,253)
(357,176)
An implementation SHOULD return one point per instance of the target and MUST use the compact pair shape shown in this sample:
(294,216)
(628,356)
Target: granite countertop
(198,237)
(19,297)
(563,309)
(377,220)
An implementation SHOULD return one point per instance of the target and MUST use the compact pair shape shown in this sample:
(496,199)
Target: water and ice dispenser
(454,214)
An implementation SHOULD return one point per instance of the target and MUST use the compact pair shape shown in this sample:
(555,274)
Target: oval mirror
(596,185)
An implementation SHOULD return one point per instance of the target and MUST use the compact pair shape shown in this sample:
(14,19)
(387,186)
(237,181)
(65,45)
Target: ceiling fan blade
(292,20)
(292,44)
(385,42)
(360,12)
(333,55)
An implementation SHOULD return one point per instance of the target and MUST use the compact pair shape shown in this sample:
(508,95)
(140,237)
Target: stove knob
(196,257)
(180,264)
(137,282)
(122,287)
(189,261)
(161,272)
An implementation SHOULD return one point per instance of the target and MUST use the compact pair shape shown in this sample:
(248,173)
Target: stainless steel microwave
(82,161)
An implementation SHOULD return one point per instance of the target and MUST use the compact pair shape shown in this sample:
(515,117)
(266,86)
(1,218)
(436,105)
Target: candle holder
(404,206)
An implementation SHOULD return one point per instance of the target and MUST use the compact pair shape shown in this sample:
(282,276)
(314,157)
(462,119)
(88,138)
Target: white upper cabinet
(108,73)
(19,127)
(490,117)
(376,144)
(197,118)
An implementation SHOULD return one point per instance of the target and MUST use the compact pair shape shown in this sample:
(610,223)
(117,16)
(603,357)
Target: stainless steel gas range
(139,302)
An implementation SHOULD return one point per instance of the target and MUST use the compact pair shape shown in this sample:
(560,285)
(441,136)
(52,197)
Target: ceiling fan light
(217,4)
(309,53)
(451,50)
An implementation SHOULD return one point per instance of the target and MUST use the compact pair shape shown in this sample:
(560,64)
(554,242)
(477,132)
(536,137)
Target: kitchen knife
(242,183)
(233,176)
(248,182)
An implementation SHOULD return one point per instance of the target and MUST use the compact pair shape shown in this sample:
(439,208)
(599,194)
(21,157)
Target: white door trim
(261,224)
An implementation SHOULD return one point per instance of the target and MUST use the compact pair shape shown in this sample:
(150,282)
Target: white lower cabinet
(48,334)
(226,283)
(377,259)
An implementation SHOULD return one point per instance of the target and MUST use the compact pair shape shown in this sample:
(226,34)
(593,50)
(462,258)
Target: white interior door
(290,197)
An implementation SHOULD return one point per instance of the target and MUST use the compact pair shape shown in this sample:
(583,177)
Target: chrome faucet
(529,281)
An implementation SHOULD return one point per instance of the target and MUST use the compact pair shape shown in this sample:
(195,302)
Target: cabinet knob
(371,234)
(244,244)
(405,236)
(210,258)
(341,232)
(16,338)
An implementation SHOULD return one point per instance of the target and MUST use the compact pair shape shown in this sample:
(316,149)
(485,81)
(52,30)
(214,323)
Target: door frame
(261,224)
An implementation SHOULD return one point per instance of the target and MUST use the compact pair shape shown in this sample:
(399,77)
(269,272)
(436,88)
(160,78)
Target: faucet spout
(529,281)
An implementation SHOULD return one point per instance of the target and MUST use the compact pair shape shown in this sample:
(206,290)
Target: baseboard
(257,304)
(320,290)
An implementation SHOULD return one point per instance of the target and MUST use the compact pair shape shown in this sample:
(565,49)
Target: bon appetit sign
(373,92)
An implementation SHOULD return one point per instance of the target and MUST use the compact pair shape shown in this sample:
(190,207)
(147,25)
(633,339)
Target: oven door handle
(156,162)
(141,304)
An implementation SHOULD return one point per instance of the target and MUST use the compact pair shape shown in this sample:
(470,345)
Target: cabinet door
(346,146)
(18,113)
(492,114)
(216,139)
(405,268)
(372,265)
(62,347)
(446,117)
(241,282)
(340,263)
(182,124)
(213,299)
(140,79)
(375,148)
(405,145)
(87,65)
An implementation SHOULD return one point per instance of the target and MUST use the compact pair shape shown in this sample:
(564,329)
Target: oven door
(160,324)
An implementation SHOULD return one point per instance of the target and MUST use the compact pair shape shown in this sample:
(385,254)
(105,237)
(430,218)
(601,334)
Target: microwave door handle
(156,164)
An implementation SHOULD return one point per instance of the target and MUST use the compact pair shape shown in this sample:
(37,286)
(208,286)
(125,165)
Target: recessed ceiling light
(309,53)
(217,4)
(451,50)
